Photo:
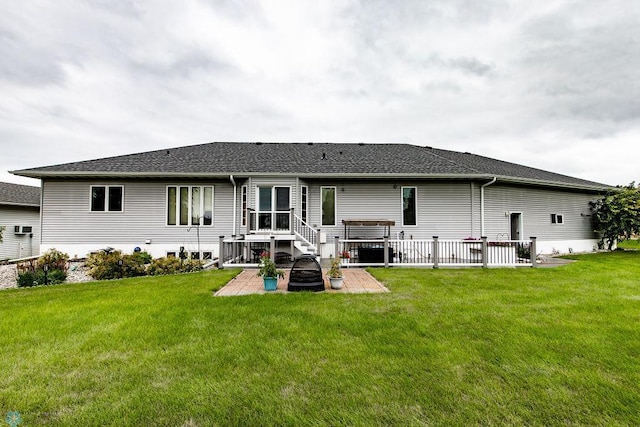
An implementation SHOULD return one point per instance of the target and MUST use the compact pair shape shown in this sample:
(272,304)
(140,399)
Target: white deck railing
(436,252)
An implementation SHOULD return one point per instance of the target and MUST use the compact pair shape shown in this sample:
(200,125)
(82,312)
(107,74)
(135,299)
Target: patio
(356,280)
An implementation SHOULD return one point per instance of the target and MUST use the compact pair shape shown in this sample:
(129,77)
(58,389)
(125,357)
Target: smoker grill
(306,275)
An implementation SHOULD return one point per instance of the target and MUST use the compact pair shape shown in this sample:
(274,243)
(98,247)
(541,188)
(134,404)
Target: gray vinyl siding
(536,206)
(17,246)
(66,216)
(443,209)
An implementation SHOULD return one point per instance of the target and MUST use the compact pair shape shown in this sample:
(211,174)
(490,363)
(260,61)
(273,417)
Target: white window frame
(189,207)
(304,203)
(402,204)
(106,198)
(244,204)
(335,205)
(274,203)
(555,217)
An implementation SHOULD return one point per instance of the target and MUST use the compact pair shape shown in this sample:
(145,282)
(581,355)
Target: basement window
(557,219)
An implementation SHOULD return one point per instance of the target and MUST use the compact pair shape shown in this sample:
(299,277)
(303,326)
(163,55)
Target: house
(20,218)
(302,195)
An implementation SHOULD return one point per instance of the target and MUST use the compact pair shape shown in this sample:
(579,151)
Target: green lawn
(452,347)
(630,244)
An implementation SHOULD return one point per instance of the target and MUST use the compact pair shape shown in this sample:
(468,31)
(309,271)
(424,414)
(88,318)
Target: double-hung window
(190,205)
(107,198)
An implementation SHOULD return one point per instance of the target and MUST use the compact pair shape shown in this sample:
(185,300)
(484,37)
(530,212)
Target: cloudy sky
(553,84)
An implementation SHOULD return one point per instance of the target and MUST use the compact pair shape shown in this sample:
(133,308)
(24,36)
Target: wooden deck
(356,280)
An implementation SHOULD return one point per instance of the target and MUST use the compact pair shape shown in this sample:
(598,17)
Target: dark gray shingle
(306,159)
(19,195)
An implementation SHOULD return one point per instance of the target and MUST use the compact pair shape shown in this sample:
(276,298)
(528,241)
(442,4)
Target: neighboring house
(20,217)
(190,196)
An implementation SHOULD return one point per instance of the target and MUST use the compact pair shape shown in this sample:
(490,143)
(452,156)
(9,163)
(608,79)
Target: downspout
(235,202)
(482,204)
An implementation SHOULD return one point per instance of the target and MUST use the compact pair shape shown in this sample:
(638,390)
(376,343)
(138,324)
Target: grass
(629,244)
(451,347)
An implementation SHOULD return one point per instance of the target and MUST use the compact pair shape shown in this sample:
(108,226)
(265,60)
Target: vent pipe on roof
(324,156)
(482,204)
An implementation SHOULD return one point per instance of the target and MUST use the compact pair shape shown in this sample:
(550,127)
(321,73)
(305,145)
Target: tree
(617,215)
(1,230)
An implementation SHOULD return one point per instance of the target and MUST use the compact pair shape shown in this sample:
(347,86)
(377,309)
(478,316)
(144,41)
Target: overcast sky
(553,84)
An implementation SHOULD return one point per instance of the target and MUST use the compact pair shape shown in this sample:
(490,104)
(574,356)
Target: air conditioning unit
(22,229)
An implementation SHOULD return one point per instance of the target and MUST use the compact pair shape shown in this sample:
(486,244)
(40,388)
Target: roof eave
(505,179)
(22,205)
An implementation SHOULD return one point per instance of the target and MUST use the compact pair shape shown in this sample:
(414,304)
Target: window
(106,198)
(190,205)
(557,219)
(303,202)
(328,200)
(409,214)
(244,205)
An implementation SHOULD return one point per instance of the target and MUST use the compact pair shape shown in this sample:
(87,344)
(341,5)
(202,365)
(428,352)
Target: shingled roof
(219,159)
(19,195)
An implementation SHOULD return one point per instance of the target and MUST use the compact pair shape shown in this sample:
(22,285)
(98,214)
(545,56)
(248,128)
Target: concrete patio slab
(356,280)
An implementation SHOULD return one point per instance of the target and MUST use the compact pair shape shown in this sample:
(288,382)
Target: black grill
(306,275)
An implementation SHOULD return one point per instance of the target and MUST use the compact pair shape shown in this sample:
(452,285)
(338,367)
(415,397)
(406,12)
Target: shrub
(106,265)
(27,279)
(35,278)
(55,259)
(143,257)
(32,273)
(173,265)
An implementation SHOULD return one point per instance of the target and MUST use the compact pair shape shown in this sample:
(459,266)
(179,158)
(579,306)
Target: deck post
(293,250)
(221,253)
(234,247)
(337,247)
(386,251)
(533,252)
(485,252)
(272,248)
(435,252)
(291,223)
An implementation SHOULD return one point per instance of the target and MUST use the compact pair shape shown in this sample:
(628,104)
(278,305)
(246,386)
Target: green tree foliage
(617,215)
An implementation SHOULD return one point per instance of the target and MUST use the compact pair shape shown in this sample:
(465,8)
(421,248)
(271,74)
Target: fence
(436,252)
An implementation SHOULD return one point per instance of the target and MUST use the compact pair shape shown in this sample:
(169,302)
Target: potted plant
(335,274)
(269,273)
(345,256)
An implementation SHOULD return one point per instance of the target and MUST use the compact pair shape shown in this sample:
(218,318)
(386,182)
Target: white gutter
(482,204)
(235,202)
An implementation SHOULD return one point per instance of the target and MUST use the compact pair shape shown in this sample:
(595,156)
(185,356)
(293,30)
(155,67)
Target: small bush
(173,265)
(106,265)
(27,279)
(55,259)
(31,273)
(31,278)
(143,257)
